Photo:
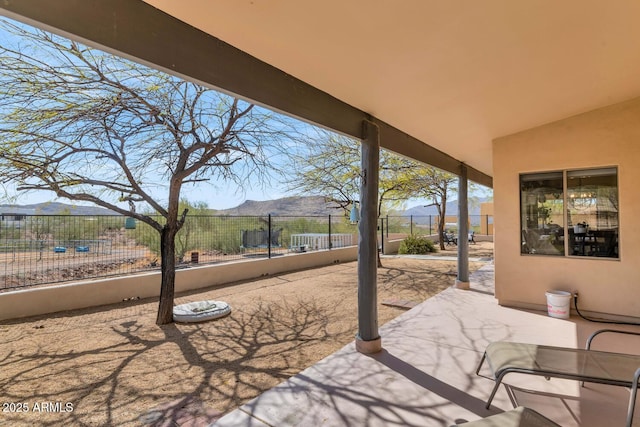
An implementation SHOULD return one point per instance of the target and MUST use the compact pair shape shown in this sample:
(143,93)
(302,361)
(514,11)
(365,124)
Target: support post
(269,238)
(381,229)
(387,226)
(368,340)
(462,281)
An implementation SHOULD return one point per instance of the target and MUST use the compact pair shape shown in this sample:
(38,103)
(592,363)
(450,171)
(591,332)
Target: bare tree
(328,168)
(331,168)
(436,185)
(90,126)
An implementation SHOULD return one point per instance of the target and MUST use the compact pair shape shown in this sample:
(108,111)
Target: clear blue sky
(216,196)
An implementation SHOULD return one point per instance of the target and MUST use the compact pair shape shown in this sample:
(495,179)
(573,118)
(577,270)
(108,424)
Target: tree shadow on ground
(422,281)
(114,380)
(118,368)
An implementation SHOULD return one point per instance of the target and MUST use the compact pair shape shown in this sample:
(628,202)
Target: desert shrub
(416,245)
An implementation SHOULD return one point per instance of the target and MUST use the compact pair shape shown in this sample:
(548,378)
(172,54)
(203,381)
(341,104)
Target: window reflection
(542,213)
(591,213)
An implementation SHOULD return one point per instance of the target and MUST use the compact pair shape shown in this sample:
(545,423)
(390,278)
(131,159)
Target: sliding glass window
(542,213)
(592,212)
(585,200)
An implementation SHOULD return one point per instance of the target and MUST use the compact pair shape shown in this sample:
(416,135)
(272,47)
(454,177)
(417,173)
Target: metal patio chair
(449,238)
(585,365)
(519,417)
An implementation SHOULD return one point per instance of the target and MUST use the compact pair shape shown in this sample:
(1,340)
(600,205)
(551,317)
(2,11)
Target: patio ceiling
(451,75)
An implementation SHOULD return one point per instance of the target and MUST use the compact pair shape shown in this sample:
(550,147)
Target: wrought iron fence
(37,250)
(43,249)
(398,227)
(428,225)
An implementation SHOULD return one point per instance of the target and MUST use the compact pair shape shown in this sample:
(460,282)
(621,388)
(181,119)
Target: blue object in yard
(82,248)
(130,223)
(354,215)
(59,249)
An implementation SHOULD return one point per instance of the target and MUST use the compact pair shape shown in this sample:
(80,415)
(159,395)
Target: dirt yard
(114,367)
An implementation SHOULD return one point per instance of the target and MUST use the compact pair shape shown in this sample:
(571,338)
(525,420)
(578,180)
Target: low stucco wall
(391,246)
(601,138)
(70,296)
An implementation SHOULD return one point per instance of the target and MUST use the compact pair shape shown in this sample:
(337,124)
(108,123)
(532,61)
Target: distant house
(13,214)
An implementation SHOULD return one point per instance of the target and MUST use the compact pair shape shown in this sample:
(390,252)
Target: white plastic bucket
(559,304)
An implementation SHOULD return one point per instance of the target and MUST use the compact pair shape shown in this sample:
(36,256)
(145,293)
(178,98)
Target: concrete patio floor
(425,375)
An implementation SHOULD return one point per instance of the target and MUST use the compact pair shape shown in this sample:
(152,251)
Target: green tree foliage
(436,185)
(90,126)
(193,230)
(331,168)
(192,226)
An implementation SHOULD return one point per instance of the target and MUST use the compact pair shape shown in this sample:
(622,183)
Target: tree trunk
(168,268)
(378,252)
(441,230)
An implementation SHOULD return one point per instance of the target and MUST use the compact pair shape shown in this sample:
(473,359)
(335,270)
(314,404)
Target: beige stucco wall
(391,246)
(605,137)
(51,299)
(486,210)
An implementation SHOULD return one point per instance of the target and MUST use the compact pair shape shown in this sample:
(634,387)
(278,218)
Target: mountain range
(54,208)
(287,206)
(452,208)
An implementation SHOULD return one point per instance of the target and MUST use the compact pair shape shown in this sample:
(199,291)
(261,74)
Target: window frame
(568,244)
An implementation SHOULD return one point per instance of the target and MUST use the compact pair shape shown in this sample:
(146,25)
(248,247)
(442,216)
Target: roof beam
(143,33)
